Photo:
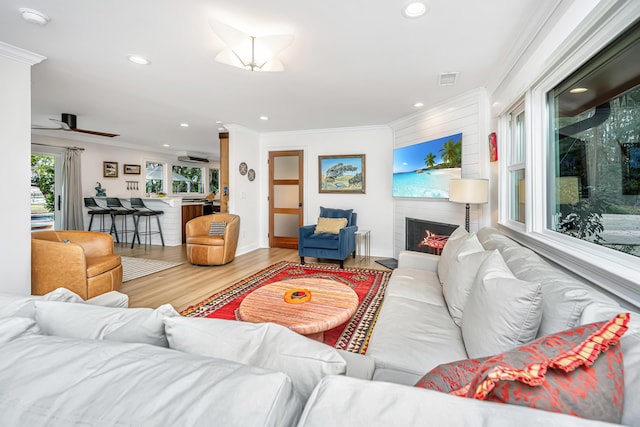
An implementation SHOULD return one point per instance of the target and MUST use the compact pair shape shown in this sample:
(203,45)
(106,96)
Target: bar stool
(95,209)
(141,210)
(118,209)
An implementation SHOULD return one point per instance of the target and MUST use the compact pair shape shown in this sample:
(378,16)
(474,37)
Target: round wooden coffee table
(331,304)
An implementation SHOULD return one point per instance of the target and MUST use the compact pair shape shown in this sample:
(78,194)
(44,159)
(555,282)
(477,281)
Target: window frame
(611,270)
(512,164)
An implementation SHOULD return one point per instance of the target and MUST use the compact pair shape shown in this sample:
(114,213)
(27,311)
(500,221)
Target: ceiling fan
(68,123)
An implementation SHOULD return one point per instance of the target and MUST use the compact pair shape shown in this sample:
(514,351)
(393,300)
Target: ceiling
(352,63)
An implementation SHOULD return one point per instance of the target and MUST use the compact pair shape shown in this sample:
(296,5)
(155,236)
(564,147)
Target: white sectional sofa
(70,363)
(415,331)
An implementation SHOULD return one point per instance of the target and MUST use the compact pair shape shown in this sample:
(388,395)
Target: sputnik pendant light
(250,52)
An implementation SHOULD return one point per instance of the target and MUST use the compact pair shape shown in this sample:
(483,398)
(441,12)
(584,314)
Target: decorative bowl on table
(297,296)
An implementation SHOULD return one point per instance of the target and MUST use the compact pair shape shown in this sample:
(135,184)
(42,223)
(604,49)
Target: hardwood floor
(187,284)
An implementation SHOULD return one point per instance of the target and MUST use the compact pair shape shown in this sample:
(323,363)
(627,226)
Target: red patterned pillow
(558,373)
(453,378)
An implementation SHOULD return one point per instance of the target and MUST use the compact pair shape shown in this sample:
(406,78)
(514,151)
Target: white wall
(469,114)
(374,208)
(245,195)
(15,175)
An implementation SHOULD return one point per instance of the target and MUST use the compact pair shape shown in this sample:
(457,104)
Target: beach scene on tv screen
(425,169)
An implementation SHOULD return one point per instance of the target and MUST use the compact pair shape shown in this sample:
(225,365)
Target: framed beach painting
(341,174)
(424,170)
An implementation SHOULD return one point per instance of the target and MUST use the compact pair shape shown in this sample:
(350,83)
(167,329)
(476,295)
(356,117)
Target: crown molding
(20,55)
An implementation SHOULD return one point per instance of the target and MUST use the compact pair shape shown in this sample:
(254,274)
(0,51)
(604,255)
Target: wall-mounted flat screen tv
(424,170)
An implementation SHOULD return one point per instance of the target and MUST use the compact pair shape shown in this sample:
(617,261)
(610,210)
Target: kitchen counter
(172,221)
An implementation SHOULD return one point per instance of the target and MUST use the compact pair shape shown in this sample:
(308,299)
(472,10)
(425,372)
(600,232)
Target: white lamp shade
(469,190)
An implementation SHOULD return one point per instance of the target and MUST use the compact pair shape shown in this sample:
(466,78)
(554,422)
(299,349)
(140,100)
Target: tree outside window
(595,150)
(187,179)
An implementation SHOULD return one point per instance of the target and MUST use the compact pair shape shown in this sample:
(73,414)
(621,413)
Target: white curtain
(72,211)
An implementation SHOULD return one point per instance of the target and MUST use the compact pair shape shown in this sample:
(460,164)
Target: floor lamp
(469,191)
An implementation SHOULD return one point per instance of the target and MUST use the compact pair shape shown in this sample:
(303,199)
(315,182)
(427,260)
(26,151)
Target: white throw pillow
(140,325)
(14,327)
(23,305)
(502,312)
(462,274)
(449,251)
(265,345)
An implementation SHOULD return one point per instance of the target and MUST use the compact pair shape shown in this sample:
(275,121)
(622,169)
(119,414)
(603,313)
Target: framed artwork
(493,147)
(110,169)
(341,174)
(131,169)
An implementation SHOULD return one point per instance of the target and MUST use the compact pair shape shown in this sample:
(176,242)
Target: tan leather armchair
(81,261)
(203,249)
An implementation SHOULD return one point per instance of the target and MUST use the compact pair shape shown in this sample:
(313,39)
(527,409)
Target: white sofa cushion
(502,312)
(416,284)
(343,401)
(141,325)
(462,274)
(411,338)
(14,327)
(563,296)
(61,382)
(449,251)
(265,345)
(23,305)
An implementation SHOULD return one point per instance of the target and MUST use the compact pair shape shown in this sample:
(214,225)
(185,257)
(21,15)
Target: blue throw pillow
(336,213)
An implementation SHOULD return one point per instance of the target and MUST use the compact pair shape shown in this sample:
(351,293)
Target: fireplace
(426,236)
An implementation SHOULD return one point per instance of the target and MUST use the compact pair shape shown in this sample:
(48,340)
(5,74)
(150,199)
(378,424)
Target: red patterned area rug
(353,335)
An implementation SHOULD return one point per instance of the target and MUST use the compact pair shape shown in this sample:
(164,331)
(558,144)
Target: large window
(593,183)
(187,179)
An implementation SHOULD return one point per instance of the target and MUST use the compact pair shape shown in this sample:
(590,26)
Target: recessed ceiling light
(138,60)
(166,145)
(218,122)
(414,9)
(579,90)
(33,16)
(264,118)
(418,104)
(184,125)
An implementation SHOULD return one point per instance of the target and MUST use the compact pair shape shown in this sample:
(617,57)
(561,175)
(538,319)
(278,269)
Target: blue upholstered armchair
(329,245)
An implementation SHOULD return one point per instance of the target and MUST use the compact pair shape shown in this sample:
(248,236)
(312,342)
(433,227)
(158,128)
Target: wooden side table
(331,304)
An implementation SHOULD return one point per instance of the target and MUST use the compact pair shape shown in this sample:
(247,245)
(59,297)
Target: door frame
(280,241)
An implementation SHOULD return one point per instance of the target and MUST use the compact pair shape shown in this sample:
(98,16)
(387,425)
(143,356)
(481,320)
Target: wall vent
(448,79)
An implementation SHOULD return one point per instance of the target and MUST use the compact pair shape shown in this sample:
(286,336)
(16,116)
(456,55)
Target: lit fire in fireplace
(433,241)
